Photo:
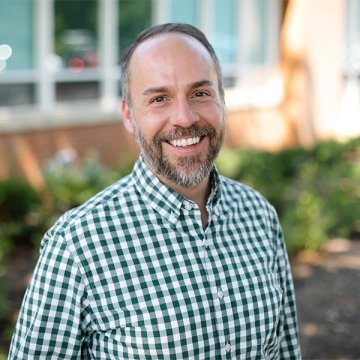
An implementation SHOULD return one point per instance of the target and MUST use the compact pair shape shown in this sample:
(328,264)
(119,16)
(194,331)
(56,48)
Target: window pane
(225,42)
(134,16)
(184,11)
(16,94)
(75,91)
(257,27)
(76,34)
(16,30)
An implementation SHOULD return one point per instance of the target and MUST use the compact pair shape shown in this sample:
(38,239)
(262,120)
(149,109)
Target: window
(75,35)
(185,11)
(16,30)
(224,38)
(76,47)
(134,16)
(245,34)
(67,51)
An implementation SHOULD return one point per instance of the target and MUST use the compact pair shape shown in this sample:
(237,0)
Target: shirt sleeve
(49,325)
(288,333)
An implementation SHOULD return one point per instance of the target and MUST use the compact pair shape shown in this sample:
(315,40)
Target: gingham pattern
(131,274)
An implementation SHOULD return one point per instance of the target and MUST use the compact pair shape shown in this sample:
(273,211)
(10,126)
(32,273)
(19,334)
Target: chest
(168,289)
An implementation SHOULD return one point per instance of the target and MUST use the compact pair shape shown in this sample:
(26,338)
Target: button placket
(220,294)
(218,290)
(188,205)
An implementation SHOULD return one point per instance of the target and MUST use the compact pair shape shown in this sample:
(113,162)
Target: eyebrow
(161,89)
(201,83)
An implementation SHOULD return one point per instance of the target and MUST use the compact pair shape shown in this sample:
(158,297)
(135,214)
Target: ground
(327,292)
(328,301)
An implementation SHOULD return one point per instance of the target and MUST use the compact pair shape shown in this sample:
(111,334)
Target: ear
(126,116)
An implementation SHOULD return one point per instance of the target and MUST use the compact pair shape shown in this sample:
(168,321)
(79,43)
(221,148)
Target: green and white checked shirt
(132,274)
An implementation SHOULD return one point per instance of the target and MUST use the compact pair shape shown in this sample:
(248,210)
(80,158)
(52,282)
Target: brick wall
(24,154)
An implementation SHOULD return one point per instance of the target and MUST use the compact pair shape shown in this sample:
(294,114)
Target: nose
(184,114)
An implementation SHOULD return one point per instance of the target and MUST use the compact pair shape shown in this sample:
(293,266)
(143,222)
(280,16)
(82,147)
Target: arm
(49,324)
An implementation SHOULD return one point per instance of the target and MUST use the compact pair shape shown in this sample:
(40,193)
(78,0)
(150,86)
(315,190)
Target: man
(174,261)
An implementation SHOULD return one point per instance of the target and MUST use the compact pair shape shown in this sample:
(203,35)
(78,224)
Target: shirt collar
(164,200)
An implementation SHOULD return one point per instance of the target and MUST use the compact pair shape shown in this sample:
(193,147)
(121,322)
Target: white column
(44,19)
(108,54)
(206,18)
(161,11)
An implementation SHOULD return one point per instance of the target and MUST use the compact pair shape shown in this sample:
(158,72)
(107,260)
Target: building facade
(59,68)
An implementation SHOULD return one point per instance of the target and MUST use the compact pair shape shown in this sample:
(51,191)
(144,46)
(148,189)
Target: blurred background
(292,75)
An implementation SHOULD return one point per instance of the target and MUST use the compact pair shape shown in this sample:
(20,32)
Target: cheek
(152,123)
(213,115)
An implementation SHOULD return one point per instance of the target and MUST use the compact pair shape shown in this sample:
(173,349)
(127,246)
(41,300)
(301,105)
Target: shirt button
(228,347)
(220,294)
(188,206)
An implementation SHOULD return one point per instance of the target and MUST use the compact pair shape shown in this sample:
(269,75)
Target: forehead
(170,49)
(165,40)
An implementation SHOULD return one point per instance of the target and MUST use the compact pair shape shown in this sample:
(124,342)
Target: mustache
(192,131)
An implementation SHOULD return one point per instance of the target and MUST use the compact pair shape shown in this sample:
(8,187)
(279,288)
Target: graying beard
(185,178)
(162,166)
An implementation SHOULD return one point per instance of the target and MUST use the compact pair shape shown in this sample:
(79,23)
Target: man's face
(176,113)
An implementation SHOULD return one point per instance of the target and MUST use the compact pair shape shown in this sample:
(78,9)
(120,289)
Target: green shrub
(69,187)
(316,192)
(19,224)
(20,206)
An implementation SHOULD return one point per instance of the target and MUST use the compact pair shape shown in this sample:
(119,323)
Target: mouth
(185,141)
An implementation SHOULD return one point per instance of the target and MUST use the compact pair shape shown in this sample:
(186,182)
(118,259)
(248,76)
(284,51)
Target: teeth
(185,142)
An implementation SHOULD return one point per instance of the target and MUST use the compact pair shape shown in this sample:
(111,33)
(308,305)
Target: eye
(201,94)
(158,99)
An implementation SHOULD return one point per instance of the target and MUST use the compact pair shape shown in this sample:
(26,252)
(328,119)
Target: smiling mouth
(185,142)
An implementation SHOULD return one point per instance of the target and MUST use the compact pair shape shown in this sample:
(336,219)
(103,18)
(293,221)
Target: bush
(70,186)
(19,224)
(20,206)
(316,192)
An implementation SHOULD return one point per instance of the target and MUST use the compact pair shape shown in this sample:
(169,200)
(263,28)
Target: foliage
(19,204)
(69,186)
(316,192)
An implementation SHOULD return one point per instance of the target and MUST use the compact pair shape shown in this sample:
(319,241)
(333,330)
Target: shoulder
(95,210)
(242,201)
(240,193)
(244,205)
